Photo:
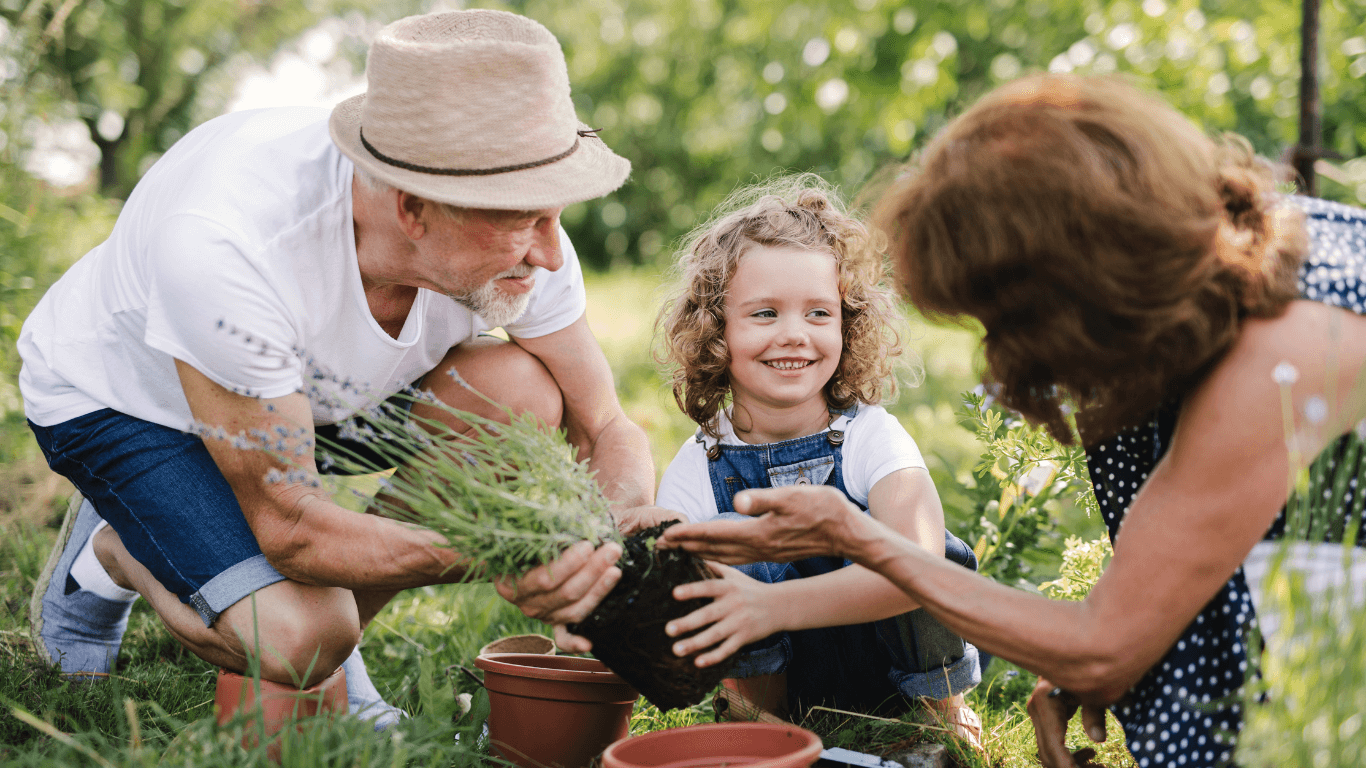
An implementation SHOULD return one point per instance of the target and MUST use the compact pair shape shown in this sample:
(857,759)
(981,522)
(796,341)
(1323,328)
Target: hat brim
(591,171)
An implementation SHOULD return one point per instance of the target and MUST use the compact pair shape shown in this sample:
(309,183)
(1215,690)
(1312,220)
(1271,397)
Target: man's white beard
(497,307)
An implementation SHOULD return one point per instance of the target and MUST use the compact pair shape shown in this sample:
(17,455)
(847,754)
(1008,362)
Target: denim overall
(861,666)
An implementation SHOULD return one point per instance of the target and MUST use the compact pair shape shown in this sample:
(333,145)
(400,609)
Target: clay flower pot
(274,703)
(278,703)
(520,644)
(752,745)
(548,711)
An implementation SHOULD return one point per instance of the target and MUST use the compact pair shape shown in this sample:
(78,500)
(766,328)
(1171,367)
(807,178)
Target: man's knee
(502,371)
(305,632)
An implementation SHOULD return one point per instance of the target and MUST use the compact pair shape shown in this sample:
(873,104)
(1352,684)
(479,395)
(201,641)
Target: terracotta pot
(520,644)
(276,704)
(553,710)
(753,745)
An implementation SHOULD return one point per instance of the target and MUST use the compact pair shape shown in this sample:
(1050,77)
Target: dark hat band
(466,171)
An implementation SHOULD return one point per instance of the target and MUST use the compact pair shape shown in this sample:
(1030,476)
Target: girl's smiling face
(783,330)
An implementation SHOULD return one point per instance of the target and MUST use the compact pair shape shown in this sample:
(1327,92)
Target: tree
(140,73)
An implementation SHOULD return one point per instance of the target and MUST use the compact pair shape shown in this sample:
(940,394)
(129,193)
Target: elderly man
(279,268)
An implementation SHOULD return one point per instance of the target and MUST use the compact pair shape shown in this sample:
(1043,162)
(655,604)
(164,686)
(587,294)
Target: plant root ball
(627,628)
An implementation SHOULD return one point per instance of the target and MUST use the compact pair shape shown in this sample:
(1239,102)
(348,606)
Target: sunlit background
(701,96)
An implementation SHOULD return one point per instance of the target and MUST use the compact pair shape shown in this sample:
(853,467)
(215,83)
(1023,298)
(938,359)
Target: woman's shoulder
(1308,330)
(1311,350)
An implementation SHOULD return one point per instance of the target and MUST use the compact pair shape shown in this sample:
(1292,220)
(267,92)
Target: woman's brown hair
(800,212)
(1109,248)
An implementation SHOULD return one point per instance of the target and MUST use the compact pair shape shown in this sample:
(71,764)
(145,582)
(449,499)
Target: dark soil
(627,629)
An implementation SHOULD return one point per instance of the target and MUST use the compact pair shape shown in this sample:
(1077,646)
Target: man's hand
(571,643)
(739,614)
(635,519)
(1050,708)
(792,523)
(566,590)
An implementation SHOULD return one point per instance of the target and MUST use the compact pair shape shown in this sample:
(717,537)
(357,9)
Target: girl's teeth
(786,366)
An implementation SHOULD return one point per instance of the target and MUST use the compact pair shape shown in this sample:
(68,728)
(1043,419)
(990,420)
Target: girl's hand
(741,612)
(791,523)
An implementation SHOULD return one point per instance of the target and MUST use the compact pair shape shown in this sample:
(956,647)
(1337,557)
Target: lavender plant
(507,495)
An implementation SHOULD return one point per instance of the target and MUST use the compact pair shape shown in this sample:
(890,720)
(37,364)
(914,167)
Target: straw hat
(472,108)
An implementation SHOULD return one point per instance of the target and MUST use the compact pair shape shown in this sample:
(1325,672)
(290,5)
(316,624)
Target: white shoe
(363,699)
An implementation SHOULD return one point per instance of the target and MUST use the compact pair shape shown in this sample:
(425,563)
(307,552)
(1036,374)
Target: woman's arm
(1207,503)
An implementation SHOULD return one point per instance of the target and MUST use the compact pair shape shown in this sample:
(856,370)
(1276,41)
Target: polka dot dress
(1187,709)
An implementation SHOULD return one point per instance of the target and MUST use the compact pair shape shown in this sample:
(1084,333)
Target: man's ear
(411,210)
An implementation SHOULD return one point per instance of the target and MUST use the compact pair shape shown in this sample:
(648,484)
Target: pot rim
(547,667)
(806,749)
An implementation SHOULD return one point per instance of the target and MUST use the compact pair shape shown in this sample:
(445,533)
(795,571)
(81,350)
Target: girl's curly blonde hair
(800,212)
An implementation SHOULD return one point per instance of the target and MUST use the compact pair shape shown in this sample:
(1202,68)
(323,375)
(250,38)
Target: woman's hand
(1051,708)
(741,612)
(567,589)
(792,523)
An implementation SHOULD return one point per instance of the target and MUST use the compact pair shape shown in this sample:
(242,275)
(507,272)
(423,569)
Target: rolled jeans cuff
(770,659)
(232,585)
(956,677)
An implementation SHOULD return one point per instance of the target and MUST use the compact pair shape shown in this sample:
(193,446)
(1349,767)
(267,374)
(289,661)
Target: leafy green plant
(1307,707)
(1082,564)
(1307,691)
(1023,478)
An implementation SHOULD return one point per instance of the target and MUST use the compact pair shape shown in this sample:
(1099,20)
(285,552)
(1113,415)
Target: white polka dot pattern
(1186,711)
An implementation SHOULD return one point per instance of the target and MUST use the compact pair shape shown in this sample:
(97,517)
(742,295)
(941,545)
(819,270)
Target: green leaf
(434,694)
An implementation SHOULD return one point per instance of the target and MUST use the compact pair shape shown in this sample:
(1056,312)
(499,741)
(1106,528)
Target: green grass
(157,709)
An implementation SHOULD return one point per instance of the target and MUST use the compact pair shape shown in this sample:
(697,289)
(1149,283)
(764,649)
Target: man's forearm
(621,458)
(328,545)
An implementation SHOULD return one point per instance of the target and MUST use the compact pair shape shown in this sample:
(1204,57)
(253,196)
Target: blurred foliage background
(701,96)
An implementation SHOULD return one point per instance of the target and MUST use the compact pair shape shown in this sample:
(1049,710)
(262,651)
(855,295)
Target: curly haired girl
(782,338)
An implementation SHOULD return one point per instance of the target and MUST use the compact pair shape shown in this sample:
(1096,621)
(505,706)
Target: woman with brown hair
(1124,265)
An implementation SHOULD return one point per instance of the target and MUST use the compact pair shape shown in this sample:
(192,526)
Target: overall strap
(815,458)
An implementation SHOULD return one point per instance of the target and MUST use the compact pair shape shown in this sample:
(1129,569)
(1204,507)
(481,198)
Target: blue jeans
(161,491)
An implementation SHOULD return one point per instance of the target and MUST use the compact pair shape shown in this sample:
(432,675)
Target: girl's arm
(744,610)
(1206,504)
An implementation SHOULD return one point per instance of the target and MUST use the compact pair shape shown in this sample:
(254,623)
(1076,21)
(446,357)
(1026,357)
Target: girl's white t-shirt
(875,445)
(236,254)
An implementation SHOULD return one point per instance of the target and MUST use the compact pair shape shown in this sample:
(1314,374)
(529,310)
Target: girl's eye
(819,313)
(765,313)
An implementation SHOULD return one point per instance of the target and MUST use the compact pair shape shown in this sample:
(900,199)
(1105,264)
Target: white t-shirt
(875,445)
(236,254)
